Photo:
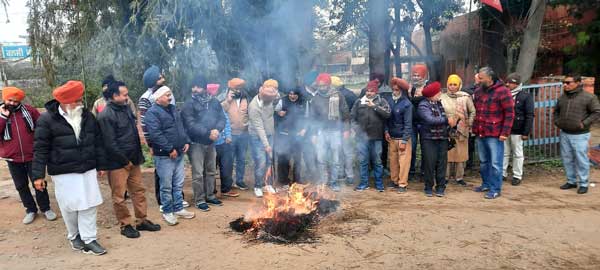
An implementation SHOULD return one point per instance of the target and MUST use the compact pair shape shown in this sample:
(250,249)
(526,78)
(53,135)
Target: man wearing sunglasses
(574,113)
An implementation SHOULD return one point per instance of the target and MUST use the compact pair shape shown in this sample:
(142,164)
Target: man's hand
(370,103)
(452,121)
(346,134)
(230,96)
(151,151)
(581,125)
(502,138)
(524,137)
(214,135)
(313,139)
(227,140)
(268,149)
(281,113)
(101,173)
(39,184)
(186,147)
(302,133)
(4,111)
(388,138)
(173,154)
(402,147)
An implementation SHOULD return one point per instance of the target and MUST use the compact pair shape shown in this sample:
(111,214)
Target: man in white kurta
(68,143)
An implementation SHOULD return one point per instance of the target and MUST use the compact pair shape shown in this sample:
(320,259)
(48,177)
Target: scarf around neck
(516,91)
(26,116)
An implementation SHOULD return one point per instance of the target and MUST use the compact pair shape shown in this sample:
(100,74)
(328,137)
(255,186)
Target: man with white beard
(68,143)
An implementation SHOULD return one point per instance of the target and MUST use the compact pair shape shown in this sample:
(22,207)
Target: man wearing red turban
(17,125)
(68,144)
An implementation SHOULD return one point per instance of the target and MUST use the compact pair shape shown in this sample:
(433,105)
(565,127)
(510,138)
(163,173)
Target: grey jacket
(261,119)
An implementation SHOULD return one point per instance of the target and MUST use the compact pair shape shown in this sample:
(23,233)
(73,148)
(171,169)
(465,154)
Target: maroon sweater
(20,147)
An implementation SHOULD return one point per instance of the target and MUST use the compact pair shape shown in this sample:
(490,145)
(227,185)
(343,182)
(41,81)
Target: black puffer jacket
(199,118)
(56,148)
(524,113)
(121,138)
(369,122)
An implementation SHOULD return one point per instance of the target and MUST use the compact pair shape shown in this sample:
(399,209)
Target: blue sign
(16,52)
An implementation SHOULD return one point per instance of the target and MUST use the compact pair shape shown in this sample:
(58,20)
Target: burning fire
(286,216)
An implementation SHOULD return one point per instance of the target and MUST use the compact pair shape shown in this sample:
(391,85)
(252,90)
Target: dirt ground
(532,226)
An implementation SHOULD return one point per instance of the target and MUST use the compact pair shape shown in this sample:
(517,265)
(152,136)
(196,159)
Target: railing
(543,143)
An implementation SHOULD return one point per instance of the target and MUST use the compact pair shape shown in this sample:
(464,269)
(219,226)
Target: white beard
(74,117)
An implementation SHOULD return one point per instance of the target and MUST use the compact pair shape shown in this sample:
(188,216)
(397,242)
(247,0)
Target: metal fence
(543,143)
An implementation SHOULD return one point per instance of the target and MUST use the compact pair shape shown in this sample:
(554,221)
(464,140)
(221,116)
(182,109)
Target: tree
(531,39)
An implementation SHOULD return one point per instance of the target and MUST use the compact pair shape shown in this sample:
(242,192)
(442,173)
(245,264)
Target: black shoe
(568,186)
(440,192)
(461,182)
(516,181)
(94,248)
(401,189)
(147,225)
(215,201)
(129,232)
(77,243)
(582,190)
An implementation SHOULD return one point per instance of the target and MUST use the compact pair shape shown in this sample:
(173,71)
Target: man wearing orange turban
(419,74)
(17,125)
(68,144)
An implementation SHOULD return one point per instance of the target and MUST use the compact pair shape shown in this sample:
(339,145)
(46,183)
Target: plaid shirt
(494,111)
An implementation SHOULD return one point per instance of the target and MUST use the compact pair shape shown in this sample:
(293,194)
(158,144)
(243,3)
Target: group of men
(311,133)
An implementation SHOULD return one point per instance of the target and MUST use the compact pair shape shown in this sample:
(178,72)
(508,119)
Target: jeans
(239,143)
(435,159)
(348,155)
(21,175)
(369,151)
(513,146)
(225,162)
(573,152)
(329,143)
(262,160)
(171,174)
(287,150)
(309,155)
(491,157)
(204,168)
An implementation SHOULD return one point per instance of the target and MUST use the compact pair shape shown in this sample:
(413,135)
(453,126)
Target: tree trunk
(531,40)
(377,43)
(396,48)
(433,71)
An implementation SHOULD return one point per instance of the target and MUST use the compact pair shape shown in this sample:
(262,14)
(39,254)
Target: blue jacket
(226,134)
(433,120)
(165,130)
(399,125)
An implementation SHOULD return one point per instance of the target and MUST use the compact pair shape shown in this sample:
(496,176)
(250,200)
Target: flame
(299,199)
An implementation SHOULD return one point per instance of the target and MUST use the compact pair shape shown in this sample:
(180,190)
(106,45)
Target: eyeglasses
(453,84)
(568,82)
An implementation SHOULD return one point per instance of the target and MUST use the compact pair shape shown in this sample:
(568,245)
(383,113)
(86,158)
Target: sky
(17,14)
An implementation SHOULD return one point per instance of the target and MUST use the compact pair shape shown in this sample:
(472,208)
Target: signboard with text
(16,52)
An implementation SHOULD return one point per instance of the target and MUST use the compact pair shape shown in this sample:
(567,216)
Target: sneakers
(492,195)
(50,215)
(440,193)
(170,218)
(185,214)
(568,186)
(284,188)
(461,182)
(349,181)
(77,244)
(160,208)
(269,189)
(231,193)
(29,217)
(582,190)
(515,181)
(94,248)
(481,189)
(185,204)
(215,201)
(258,192)
(394,186)
(240,186)
(203,206)
(401,189)
(335,187)
(428,193)
(380,189)
(147,225)
(129,232)
(361,188)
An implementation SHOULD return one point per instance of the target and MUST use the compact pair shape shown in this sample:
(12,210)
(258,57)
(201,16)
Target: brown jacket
(575,108)
(238,115)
